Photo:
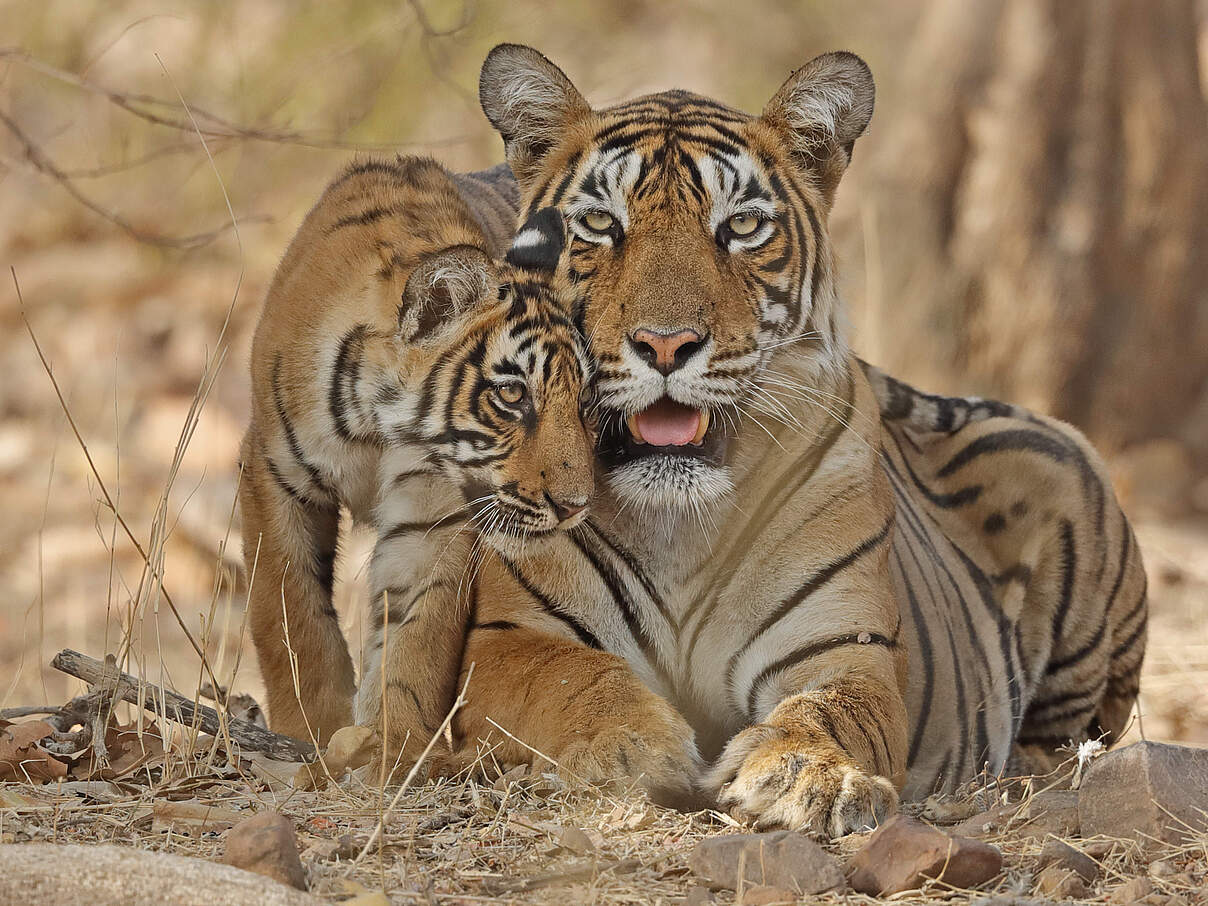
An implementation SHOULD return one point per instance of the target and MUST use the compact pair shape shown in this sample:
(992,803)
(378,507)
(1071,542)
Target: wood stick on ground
(182,710)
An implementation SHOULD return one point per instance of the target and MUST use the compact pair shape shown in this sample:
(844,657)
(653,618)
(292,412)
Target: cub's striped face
(699,244)
(501,391)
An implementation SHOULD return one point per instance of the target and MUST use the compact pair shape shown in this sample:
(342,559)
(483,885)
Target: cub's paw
(779,779)
(658,754)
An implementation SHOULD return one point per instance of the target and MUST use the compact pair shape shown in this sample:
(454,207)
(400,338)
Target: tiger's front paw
(779,779)
(655,751)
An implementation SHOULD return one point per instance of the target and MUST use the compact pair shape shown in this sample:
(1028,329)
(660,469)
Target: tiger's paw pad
(765,776)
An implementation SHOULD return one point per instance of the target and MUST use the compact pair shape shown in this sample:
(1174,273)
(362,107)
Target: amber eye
(598,221)
(511,393)
(743,224)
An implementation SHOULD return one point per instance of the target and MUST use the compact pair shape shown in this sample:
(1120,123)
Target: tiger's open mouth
(665,428)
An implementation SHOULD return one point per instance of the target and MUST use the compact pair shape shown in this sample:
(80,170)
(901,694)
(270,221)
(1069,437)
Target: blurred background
(1026,218)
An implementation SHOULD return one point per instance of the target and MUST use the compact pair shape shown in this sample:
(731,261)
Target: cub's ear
(821,110)
(530,101)
(443,287)
(539,243)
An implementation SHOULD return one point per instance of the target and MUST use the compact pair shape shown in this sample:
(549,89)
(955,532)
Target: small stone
(266,845)
(904,853)
(1160,868)
(1057,883)
(1061,854)
(766,895)
(988,822)
(1131,891)
(699,895)
(782,859)
(1051,812)
(1146,790)
(575,840)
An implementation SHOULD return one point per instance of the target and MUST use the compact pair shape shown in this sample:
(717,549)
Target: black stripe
(815,582)
(406,528)
(502,625)
(804,653)
(555,610)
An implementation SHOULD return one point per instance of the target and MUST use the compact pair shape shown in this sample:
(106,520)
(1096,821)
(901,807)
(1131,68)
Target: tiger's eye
(598,221)
(743,224)
(511,393)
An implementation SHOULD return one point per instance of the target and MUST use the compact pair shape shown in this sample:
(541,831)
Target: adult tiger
(847,587)
(395,366)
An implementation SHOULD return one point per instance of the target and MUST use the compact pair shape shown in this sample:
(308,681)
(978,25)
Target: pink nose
(567,509)
(664,351)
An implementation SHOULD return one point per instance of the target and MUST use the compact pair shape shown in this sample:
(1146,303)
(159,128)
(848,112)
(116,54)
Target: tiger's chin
(668,460)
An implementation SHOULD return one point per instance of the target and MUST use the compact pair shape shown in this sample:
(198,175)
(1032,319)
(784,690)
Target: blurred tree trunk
(1042,213)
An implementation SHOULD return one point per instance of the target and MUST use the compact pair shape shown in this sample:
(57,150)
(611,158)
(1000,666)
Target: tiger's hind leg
(1090,614)
(289,541)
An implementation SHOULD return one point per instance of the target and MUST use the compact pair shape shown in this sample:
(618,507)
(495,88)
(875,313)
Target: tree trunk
(1041,207)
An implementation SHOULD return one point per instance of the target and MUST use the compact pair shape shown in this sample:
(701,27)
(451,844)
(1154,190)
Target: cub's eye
(511,393)
(743,224)
(598,221)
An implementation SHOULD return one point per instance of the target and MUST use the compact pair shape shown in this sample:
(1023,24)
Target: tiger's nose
(665,352)
(567,509)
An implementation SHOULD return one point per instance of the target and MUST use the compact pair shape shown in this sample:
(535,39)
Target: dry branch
(170,706)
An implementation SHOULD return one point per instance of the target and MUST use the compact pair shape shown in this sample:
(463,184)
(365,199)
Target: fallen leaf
(22,759)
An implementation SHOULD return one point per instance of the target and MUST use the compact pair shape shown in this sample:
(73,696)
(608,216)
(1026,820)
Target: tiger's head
(496,383)
(699,242)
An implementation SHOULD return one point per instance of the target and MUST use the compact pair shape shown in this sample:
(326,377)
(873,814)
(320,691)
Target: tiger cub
(399,372)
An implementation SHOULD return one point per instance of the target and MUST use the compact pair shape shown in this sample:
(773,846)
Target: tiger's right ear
(442,288)
(530,101)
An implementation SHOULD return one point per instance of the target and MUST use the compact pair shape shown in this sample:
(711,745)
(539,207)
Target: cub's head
(499,382)
(699,240)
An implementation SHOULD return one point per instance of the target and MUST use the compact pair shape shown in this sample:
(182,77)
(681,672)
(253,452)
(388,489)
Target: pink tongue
(668,424)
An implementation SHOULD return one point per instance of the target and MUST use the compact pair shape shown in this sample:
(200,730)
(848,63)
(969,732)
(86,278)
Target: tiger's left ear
(539,243)
(822,109)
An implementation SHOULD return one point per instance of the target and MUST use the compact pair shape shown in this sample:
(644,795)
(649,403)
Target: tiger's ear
(442,288)
(822,109)
(530,101)
(539,243)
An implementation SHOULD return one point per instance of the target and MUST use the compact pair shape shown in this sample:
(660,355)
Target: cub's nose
(665,351)
(567,509)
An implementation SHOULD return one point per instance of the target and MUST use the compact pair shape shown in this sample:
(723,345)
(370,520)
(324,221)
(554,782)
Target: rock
(1057,883)
(1131,891)
(904,853)
(1051,812)
(575,840)
(988,822)
(266,845)
(766,895)
(783,859)
(120,876)
(1146,790)
(1061,854)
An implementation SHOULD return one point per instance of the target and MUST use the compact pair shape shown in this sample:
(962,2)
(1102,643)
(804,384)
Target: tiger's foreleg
(419,577)
(581,707)
(289,540)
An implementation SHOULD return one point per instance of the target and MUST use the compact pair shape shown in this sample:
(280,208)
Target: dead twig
(170,706)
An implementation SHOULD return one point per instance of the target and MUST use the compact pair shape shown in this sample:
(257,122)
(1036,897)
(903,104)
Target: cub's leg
(582,707)
(827,760)
(419,576)
(291,540)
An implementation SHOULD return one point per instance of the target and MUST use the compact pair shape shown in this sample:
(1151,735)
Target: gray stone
(1051,812)
(1131,891)
(903,854)
(119,876)
(1146,790)
(1059,853)
(266,845)
(782,859)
